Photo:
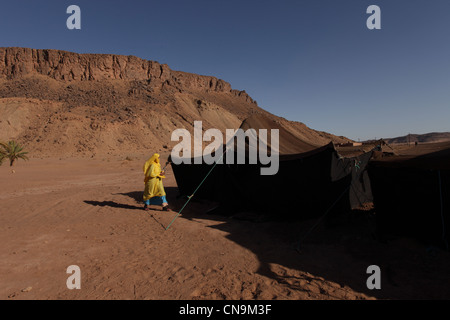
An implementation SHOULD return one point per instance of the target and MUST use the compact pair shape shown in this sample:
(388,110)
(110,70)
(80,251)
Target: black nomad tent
(412,193)
(310,179)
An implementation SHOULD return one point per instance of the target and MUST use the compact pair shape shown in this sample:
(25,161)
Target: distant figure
(154,193)
(416,143)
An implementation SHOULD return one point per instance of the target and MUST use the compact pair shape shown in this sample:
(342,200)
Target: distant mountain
(421,138)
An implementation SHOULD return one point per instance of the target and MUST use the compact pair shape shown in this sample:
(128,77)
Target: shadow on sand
(112,204)
(339,249)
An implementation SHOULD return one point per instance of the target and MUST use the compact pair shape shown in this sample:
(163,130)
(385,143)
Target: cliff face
(60,103)
(15,63)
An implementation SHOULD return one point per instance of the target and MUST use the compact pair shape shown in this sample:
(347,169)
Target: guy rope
(192,195)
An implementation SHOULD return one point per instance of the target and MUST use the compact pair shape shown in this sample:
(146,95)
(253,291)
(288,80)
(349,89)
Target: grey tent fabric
(360,191)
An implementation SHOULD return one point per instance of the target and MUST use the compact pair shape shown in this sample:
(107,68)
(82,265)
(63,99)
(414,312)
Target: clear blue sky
(312,61)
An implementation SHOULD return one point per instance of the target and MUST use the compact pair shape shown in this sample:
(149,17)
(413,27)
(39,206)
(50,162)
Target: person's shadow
(172,197)
(113,205)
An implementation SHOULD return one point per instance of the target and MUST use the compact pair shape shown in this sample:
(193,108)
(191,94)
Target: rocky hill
(431,137)
(61,103)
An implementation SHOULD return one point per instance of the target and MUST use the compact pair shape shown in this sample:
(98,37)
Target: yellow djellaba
(153,178)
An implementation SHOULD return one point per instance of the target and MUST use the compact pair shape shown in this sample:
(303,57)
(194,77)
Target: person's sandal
(166,208)
(146,208)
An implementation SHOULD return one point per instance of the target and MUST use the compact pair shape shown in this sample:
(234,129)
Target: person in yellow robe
(154,193)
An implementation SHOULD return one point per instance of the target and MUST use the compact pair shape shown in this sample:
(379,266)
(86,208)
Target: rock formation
(61,103)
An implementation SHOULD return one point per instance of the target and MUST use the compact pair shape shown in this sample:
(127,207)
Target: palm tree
(13,151)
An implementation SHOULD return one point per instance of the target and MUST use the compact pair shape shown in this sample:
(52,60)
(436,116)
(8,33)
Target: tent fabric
(360,191)
(304,180)
(289,144)
(410,187)
(425,156)
(412,193)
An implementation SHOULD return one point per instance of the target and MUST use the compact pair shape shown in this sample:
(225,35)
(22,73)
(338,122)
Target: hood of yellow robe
(154,160)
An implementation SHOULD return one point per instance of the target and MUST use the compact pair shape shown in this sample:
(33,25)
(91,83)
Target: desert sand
(89,122)
(57,212)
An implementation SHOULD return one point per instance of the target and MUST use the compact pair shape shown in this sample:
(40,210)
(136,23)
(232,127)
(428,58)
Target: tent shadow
(339,250)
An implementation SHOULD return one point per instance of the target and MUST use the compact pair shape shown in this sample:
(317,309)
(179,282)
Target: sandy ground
(55,213)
